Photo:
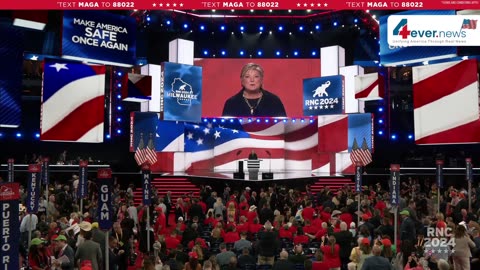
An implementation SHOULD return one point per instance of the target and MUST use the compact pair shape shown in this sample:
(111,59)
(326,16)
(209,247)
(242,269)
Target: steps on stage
(179,186)
(332,183)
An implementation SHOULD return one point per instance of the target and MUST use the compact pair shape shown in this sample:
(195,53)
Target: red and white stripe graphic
(369,87)
(446,103)
(72,102)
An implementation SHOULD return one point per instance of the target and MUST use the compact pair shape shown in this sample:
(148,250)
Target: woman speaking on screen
(253,100)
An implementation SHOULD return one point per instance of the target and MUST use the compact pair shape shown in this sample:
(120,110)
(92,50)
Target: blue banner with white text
(45,171)
(394,184)
(439,173)
(82,179)
(9,225)
(323,95)
(358,178)
(469,169)
(10,170)
(33,188)
(182,95)
(146,174)
(99,37)
(104,208)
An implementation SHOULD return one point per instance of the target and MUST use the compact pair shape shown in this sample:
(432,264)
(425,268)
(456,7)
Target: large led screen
(282,77)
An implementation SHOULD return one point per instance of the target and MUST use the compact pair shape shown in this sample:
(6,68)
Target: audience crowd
(275,228)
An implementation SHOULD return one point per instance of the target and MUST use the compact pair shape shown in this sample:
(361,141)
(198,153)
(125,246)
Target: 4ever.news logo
(431,30)
(402,30)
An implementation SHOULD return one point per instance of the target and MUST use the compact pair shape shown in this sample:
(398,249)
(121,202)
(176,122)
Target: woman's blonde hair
(251,66)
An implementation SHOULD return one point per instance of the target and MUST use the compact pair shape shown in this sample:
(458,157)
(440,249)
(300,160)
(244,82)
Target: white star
(199,141)
(59,66)
(206,131)
(154,5)
(325,4)
(174,4)
(312,4)
(181,4)
(160,5)
(196,126)
(316,107)
(298,4)
(209,125)
(34,58)
(217,134)
(190,136)
(331,106)
(168,4)
(321,107)
(310,107)
(221,127)
(319,5)
(234,131)
(305,4)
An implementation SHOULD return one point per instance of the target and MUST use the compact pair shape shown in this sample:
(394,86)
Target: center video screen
(282,77)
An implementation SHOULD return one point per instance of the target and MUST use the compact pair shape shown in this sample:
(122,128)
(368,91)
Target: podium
(253,166)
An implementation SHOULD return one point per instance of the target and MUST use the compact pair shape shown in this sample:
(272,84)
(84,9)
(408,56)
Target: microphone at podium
(253,155)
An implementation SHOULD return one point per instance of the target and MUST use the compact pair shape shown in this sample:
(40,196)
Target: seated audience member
(300,238)
(223,258)
(377,262)
(242,243)
(319,263)
(245,258)
(283,263)
(231,236)
(297,257)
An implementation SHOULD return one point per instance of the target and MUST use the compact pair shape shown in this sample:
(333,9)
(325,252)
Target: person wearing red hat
(193,263)
(365,251)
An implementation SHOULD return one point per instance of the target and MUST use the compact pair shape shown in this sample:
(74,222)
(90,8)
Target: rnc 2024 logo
(182,91)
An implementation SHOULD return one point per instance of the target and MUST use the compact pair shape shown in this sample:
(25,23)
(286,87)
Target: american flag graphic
(469,24)
(369,87)
(215,145)
(445,98)
(140,157)
(360,155)
(72,102)
(149,151)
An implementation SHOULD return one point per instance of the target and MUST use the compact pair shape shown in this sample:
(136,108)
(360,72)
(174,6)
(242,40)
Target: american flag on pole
(445,100)
(140,156)
(149,151)
(469,24)
(72,102)
(360,155)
